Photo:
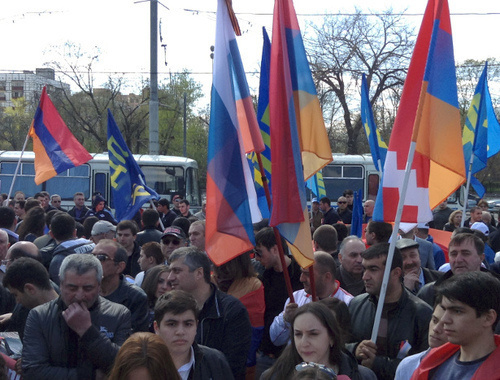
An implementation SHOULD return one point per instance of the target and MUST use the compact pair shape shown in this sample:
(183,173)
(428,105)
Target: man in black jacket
(116,288)
(78,334)
(405,318)
(176,321)
(78,212)
(223,321)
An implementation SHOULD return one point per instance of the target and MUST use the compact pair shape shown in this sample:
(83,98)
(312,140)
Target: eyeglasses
(171,241)
(324,369)
(177,200)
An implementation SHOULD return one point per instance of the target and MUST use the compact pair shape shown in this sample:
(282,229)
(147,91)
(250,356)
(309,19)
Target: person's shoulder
(108,307)
(133,288)
(211,353)
(420,304)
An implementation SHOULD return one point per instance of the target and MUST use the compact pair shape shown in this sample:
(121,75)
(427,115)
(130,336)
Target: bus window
(192,189)
(332,171)
(338,178)
(25,179)
(100,183)
(373,184)
(167,180)
(73,180)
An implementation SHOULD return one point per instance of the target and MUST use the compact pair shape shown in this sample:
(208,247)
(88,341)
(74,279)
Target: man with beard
(414,275)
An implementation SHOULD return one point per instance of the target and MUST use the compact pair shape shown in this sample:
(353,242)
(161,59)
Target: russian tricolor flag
(55,147)
(231,198)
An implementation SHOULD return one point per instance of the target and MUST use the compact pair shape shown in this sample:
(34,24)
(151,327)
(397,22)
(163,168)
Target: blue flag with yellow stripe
(378,147)
(263,119)
(481,131)
(317,185)
(128,183)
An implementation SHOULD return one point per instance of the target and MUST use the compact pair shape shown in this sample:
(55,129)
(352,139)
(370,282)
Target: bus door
(101,185)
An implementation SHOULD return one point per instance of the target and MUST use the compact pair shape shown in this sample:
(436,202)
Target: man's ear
(490,317)
(121,266)
(155,324)
(29,288)
(397,272)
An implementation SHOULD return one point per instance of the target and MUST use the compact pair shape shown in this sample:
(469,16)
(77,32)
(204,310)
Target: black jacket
(81,217)
(147,235)
(209,364)
(409,321)
(52,350)
(224,325)
(133,298)
(331,217)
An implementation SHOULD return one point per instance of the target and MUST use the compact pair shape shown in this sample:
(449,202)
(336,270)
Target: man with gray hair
(78,334)
(350,272)
(223,320)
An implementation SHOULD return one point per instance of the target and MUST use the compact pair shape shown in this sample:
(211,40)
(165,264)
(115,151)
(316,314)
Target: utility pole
(153,82)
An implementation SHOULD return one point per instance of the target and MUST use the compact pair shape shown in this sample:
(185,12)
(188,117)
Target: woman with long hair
(144,356)
(154,285)
(32,225)
(316,338)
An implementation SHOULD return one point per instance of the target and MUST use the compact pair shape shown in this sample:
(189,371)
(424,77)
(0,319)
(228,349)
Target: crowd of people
(94,298)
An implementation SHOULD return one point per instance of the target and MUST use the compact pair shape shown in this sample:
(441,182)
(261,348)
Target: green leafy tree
(15,122)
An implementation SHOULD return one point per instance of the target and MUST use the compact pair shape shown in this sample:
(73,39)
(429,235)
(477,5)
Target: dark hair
(7,217)
(80,230)
(26,271)
(341,312)
(193,258)
(347,192)
(150,283)
(62,226)
(324,262)
(49,215)
(185,201)
(479,290)
(31,203)
(33,223)
(175,302)
(164,202)
(127,225)
(382,230)
(88,223)
(266,238)
(326,200)
(20,203)
(342,231)
(144,350)
(326,237)
(285,364)
(182,223)
(467,237)
(235,269)
(150,217)
(382,250)
(17,251)
(153,249)
(120,254)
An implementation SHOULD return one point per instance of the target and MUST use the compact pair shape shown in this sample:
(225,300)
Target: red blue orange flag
(55,147)
(428,116)
(299,142)
(231,198)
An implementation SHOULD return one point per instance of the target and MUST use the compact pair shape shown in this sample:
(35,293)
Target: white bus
(357,172)
(168,175)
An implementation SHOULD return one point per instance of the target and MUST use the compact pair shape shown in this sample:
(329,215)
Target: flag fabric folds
(428,117)
(378,147)
(357,214)
(299,143)
(263,120)
(231,198)
(317,185)
(55,147)
(128,183)
(481,131)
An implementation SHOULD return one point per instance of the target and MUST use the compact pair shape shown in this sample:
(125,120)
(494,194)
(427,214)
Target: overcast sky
(120,28)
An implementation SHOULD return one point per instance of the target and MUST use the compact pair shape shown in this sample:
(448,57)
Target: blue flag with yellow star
(128,183)
(378,147)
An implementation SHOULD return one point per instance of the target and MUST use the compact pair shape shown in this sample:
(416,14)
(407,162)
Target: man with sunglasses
(116,288)
(172,238)
(343,211)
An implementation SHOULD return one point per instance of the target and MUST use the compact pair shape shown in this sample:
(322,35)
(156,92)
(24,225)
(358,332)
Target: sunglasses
(341,203)
(102,257)
(325,370)
(171,241)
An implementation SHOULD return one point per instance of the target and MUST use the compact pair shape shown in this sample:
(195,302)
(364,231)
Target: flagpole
(392,245)
(277,235)
(17,167)
(467,187)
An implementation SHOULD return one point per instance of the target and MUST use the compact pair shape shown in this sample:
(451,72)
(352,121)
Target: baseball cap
(102,227)
(315,200)
(480,226)
(174,231)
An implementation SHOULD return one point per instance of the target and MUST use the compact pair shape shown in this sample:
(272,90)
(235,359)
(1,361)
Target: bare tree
(344,47)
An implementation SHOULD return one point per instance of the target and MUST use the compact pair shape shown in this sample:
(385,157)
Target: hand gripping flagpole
(392,245)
